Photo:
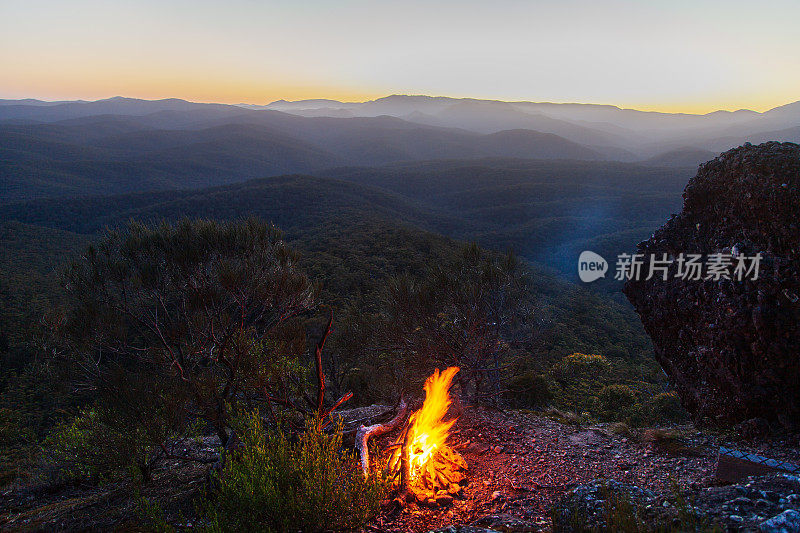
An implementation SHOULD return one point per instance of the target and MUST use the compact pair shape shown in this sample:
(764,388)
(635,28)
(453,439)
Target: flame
(427,431)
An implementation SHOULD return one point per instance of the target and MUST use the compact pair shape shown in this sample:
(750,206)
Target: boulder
(786,522)
(729,346)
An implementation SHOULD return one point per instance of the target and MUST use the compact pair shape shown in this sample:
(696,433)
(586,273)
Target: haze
(668,56)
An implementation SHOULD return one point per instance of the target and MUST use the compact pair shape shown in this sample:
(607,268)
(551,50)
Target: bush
(666,407)
(274,484)
(576,380)
(529,390)
(581,366)
(188,317)
(617,402)
(95,446)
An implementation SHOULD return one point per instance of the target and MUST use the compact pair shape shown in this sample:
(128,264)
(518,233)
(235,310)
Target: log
(405,465)
(364,433)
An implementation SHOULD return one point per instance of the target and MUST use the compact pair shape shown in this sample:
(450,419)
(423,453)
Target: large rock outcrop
(732,348)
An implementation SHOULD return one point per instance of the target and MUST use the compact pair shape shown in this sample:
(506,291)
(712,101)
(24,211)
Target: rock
(727,506)
(585,506)
(477,449)
(786,522)
(444,499)
(496,495)
(730,347)
(754,428)
(762,504)
(506,523)
(464,529)
(741,501)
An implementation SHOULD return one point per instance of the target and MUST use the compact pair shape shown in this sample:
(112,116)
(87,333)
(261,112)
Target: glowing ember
(433,465)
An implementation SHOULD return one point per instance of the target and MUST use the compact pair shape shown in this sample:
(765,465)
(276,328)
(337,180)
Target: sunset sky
(656,55)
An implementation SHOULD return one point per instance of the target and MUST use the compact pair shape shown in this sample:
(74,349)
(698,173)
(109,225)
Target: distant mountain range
(122,145)
(644,133)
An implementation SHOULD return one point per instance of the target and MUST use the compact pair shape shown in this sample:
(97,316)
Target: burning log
(429,468)
(364,433)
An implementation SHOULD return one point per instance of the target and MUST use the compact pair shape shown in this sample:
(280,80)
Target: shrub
(94,446)
(617,401)
(576,380)
(15,449)
(529,390)
(581,366)
(274,484)
(666,407)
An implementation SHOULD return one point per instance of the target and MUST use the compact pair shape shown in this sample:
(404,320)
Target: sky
(672,56)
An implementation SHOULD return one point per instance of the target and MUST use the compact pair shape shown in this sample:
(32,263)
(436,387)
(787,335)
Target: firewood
(405,464)
(365,432)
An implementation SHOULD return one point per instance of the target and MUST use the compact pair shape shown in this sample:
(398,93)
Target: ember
(434,469)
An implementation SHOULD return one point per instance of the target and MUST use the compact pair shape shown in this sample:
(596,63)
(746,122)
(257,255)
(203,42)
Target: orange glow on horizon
(229,91)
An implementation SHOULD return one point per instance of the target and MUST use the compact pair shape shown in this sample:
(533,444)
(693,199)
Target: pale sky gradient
(692,56)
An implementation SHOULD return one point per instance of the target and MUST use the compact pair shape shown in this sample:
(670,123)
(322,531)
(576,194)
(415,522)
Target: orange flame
(427,432)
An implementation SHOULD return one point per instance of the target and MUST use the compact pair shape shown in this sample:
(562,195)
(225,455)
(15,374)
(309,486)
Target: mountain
(352,236)
(418,127)
(179,148)
(686,157)
(113,156)
(645,133)
(37,111)
(547,211)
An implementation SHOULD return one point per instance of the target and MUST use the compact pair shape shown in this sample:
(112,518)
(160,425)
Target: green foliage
(617,401)
(274,484)
(152,516)
(463,313)
(581,366)
(596,388)
(576,381)
(170,322)
(17,442)
(95,446)
(666,407)
(32,401)
(529,389)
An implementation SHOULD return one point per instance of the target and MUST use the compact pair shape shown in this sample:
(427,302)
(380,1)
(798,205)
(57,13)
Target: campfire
(424,466)
(435,471)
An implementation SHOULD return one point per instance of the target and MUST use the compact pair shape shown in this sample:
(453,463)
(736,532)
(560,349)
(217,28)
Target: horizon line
(642,109)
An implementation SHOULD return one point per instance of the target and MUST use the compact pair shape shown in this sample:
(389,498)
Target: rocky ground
(522,466)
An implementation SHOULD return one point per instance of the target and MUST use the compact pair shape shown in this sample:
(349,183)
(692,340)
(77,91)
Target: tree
(460,314)
(169,324)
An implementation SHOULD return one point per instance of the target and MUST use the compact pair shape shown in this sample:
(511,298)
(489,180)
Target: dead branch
(327,413)
(365,432)
(320,373)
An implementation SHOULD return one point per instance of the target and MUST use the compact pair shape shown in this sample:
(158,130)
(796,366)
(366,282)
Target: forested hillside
(113,154)
(547,211)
